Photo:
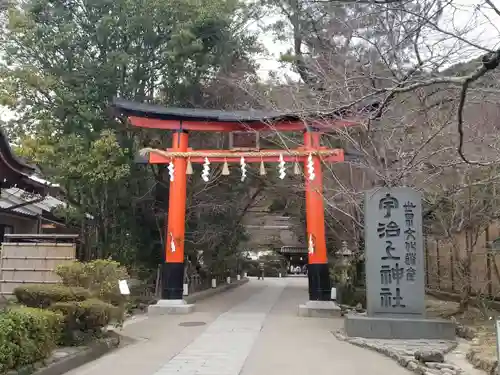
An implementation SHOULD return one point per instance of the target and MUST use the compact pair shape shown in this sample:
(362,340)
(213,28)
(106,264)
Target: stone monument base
(319,309)
(407,328)
(171,306)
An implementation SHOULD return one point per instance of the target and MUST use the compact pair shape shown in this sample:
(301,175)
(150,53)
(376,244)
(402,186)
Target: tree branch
(489,62)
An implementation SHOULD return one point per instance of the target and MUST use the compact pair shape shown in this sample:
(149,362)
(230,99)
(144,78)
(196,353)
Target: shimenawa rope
(190,154)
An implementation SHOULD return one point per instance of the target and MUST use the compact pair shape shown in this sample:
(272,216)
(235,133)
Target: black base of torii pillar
(319,282)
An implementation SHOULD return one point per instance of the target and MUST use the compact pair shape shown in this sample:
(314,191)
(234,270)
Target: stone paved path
(223,348)
(251,330)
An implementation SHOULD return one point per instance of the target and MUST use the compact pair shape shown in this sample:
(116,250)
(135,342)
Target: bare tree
(423,82)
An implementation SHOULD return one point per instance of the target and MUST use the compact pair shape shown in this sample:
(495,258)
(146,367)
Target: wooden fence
(443,259)
(23,262)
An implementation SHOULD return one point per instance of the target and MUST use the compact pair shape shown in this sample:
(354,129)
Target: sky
(464,19)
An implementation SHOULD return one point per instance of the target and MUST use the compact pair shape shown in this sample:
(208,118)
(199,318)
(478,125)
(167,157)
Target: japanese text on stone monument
(394,251)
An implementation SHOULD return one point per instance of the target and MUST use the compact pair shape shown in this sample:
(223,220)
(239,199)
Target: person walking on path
(261,271)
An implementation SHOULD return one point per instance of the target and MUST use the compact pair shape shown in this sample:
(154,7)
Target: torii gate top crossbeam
(158,117)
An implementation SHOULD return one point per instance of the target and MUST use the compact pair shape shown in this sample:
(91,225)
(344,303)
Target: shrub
(100,276)
(43,295)
(74,274)
(88,316)
(94,313)
(27,335)
(350,295)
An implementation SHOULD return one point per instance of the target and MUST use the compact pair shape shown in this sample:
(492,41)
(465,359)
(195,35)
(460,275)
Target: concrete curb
(89,354)
(198,296)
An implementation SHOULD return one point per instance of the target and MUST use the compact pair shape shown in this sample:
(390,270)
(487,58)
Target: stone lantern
(344,255)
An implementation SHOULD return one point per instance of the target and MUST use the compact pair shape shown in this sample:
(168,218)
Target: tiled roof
(130,108)
(13,196)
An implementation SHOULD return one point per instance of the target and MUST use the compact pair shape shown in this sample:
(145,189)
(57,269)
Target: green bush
(350,295)
(140,297)
(74,274)
(27,335)
(88,316)
(43,295)
(94,313)
(100,276)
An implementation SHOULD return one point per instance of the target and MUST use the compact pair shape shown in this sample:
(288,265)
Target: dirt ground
(482,321)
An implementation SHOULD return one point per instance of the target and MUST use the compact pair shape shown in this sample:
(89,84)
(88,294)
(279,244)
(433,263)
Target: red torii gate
(182,121)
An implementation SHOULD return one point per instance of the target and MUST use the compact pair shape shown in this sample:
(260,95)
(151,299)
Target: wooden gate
(32,259)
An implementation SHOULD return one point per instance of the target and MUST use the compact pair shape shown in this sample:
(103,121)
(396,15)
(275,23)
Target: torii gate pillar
(172,287)
(172,277)
(318,273)
(319,304)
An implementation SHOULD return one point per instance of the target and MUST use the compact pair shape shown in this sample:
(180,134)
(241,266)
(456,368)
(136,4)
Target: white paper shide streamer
(310,167)
(281,167)
(172,243)
(243,169)
(310,247)
(171,170)
(206,170)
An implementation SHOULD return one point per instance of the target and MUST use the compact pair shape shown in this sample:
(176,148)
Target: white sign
(333,294)
(124,289)
(497,326)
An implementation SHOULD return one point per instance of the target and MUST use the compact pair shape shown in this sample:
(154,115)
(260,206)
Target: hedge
(84,319)
(61,314)
(100,276)
(44,295)
(27,335)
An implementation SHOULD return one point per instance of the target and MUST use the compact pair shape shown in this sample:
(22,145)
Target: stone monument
(395,275)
